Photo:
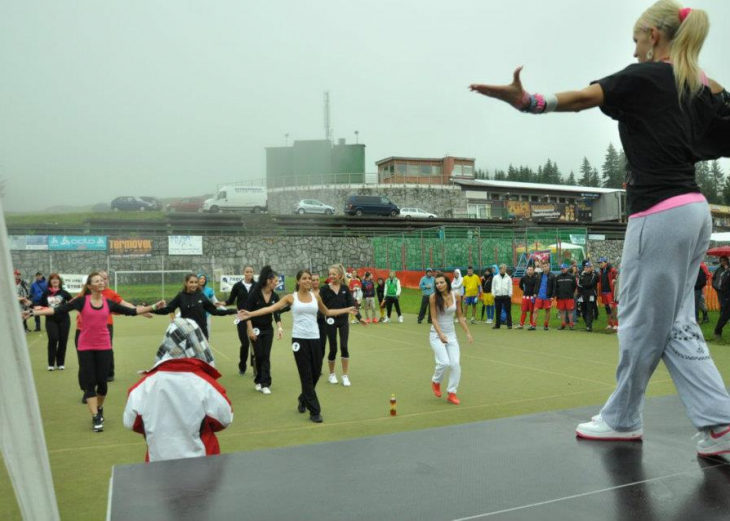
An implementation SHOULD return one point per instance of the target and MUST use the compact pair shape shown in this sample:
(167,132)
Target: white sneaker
(490,321)
(332,379)
(400,319)
(266,390)
(597,429)
(345,381)
(51,368)
(353,321)
(713,443)
(385,320)
(615,328)
(472,320)
(61,368)
(258,387)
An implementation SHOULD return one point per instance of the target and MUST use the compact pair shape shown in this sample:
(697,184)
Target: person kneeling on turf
(178,405)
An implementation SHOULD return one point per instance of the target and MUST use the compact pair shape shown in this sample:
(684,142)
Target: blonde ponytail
(684,51)
(686,38)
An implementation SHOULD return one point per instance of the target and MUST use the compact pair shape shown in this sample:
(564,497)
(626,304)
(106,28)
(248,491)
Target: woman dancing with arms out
(445,304)
(670,117)
(304,304)
(95,344)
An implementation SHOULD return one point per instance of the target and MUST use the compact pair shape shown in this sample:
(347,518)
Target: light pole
(286,139)
(357,138)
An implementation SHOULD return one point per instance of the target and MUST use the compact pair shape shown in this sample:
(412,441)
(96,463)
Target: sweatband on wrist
(539,104)
(154,307)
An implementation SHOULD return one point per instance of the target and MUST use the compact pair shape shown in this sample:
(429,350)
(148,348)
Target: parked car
(313,206)
(133,203)
(154,201)
(238,198)
(416,213)
(188,204)
(370,205)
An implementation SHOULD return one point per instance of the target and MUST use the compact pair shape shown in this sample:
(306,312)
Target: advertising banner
(28,242)
(77,242)
(130,247)
(73,282)
(518,209)
(227,282)
(553,212)
(185,245)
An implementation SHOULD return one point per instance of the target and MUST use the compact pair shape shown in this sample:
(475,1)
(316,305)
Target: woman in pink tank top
(94,342)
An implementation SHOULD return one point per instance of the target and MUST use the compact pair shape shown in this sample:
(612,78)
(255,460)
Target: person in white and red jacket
(178,405)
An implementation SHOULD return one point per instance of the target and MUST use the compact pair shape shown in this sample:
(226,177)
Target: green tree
(586,173)
(702,176)
(726,191)
(500,175)
(571,179)
(612,171)
(717,178)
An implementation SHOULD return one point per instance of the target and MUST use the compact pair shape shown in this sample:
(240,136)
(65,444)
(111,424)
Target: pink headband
(683,13)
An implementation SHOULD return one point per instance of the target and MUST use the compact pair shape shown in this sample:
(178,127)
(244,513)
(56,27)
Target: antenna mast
(327,127)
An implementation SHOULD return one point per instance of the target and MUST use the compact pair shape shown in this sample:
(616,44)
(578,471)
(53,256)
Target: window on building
(400,168)
(514,197)
(478,211)
(456,171)
(467,170)
(495,196)
(413,170)
(436,170)
(534,198)
(571,201)
(561,200)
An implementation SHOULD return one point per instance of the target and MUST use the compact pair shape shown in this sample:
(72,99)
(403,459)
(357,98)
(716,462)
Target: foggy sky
(172,97)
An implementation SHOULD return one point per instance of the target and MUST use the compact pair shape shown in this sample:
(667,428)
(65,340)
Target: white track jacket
(502,285)
(179,406)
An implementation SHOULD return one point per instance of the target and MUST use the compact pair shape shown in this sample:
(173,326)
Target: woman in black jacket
(57,326)
(239,295)
(260,330)
(193,304)
(336,295)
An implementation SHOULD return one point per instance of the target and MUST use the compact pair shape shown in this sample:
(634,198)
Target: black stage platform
(527,467)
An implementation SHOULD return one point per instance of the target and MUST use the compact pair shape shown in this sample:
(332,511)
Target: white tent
(22,441)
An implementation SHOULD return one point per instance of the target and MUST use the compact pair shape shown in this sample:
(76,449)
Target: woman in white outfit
(445,304)
(457,286)
(304,304)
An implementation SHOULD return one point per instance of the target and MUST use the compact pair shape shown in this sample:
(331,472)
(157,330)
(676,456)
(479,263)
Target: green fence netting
(447,248)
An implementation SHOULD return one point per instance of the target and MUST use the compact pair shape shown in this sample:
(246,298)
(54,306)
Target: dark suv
(131,204)
(370,205)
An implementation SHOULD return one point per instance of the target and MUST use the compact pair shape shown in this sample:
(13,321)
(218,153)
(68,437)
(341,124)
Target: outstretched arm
(519,98)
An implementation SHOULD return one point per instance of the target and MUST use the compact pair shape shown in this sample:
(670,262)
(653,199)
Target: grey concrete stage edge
(526,467)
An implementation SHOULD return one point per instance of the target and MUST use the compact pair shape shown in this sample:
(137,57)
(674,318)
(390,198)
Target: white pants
(447,356)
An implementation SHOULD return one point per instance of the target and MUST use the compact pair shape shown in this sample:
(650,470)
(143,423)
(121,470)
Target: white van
(238,198)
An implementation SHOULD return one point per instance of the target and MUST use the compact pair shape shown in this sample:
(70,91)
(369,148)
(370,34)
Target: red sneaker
(375,321)
(453,399)
(436,389)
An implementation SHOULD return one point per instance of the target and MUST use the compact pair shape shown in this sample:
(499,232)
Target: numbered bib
(256,331)
(295,346)
(237,321)
(330,321)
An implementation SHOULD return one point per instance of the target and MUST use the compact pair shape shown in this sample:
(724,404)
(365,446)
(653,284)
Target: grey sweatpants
(661,258)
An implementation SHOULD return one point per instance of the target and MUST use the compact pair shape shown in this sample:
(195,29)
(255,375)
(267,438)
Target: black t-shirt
(53,300)
(661,138)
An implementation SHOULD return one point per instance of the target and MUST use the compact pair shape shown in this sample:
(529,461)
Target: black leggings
(308,357)
(344,328)
(94,365)
(111,356)
(389,302)
(262,349)
(243,352)
(57,340)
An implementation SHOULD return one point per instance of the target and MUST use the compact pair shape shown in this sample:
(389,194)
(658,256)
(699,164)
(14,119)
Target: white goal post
(162,274)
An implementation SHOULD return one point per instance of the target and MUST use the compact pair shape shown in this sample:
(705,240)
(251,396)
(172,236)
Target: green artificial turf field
(504,373)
